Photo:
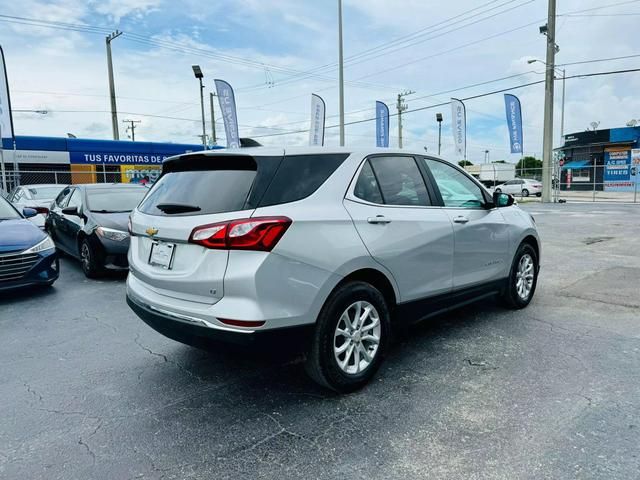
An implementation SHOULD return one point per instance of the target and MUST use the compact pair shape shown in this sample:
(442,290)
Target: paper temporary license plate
(162,254)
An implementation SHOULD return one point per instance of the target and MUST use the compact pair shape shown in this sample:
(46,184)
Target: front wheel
(350,338)
(525,192)
(90,258)
(523,278)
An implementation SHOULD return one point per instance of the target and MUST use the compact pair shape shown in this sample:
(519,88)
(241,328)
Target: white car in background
(39,197)
(521,186)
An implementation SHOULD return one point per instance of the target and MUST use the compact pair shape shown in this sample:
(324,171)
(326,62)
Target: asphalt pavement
(88,391)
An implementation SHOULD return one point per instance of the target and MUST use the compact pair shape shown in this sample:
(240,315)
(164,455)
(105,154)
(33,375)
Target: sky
(276,53)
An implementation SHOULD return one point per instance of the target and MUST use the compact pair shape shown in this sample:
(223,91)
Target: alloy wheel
(85,256)
(524,276)
(357,337)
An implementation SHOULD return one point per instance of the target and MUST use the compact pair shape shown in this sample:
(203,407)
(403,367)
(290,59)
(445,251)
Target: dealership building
(606,160)
(74,160)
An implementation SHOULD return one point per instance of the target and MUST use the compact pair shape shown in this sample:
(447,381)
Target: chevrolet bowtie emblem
(151,231)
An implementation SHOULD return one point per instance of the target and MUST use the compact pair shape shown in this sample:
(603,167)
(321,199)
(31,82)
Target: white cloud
(118,9)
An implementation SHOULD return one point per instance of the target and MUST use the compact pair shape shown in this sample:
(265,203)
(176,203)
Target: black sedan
(27,254)
(89,222)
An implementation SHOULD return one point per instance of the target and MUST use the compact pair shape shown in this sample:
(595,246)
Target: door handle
(460,219)
(378,219)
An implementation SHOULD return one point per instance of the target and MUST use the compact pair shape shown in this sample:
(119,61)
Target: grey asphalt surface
(87,391)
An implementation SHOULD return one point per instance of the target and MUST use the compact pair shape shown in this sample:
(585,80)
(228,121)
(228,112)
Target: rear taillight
(260,233)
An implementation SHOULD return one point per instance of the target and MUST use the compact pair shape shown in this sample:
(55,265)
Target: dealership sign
(110,158)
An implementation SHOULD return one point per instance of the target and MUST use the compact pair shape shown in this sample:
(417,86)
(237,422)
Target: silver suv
(338,245)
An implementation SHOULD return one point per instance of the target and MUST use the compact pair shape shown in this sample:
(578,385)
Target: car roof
(40,185)
(100,186)
(275,151)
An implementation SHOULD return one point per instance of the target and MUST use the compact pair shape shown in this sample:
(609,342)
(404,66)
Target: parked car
(521,186)
(89,222)
(339,245)
(38,197)
(27,254)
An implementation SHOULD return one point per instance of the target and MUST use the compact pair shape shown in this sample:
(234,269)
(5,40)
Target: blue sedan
(27,254)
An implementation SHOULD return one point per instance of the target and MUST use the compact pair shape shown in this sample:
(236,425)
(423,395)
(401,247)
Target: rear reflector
(242,323)
(260,233)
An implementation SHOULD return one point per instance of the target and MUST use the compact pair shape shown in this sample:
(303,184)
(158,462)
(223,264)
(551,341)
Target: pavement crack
(33,392)
(166,359)
(100,322)
(88,448)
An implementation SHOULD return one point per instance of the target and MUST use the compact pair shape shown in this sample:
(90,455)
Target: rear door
(193,191)
(481,234)
(395,216)
(55,219)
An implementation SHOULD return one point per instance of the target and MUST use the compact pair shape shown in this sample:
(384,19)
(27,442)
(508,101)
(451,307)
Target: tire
(322,362)
(498,190)
(539,194)
(513,296)
(90,259)
(525,192)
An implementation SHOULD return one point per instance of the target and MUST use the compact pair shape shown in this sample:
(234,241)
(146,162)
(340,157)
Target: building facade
(604,160)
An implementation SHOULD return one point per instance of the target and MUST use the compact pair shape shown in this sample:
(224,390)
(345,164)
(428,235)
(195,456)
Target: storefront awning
(577,164)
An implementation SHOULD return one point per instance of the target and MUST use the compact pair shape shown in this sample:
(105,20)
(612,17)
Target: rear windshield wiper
(177,208)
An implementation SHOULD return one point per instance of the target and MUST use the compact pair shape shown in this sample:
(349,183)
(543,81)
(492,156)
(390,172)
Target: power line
(597,60)
(494,92)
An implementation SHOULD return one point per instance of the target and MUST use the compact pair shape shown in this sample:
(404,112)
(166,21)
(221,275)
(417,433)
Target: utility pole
(213,119)
(547,156)
(564,82)
(401,106)
(112,88)
(132,127)
(486,156)
(341,73)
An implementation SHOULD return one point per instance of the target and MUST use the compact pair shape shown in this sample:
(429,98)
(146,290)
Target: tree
(465,163)
(499,161)
(529,166)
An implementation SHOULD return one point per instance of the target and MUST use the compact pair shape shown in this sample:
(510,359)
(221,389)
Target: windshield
(111,200)
(7,211)
(45,193)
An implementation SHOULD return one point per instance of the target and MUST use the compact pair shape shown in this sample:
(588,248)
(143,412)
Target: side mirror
(70,211)
(29,212)
(502,199)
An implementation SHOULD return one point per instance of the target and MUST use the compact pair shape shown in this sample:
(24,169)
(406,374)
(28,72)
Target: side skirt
(418,310)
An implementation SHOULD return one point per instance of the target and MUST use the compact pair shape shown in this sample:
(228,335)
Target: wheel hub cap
(357,337)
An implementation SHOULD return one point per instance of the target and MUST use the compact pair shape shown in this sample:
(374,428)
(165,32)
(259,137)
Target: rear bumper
(44,272)
(199,332)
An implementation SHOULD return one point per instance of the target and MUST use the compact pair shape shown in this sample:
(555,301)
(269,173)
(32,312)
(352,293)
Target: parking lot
(87,390)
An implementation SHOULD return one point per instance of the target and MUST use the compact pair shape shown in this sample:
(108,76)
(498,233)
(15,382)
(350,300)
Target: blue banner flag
(514,122)
(382,125)
(227,101)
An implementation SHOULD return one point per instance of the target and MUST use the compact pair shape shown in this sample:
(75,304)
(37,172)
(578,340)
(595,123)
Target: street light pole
(214,140)
(439,120)
(112,88)
(547,163)
(341,73)
(197,71)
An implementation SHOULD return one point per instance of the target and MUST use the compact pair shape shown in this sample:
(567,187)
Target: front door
(393,213)
(481,234)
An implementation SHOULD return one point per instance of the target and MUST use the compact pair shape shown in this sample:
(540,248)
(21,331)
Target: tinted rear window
(113,199)
(212,191)
(299,176)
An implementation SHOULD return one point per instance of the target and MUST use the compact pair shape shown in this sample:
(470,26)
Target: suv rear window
(202,184)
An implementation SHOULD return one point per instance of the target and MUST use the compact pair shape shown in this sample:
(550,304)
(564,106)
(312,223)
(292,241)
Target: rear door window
(300,176)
